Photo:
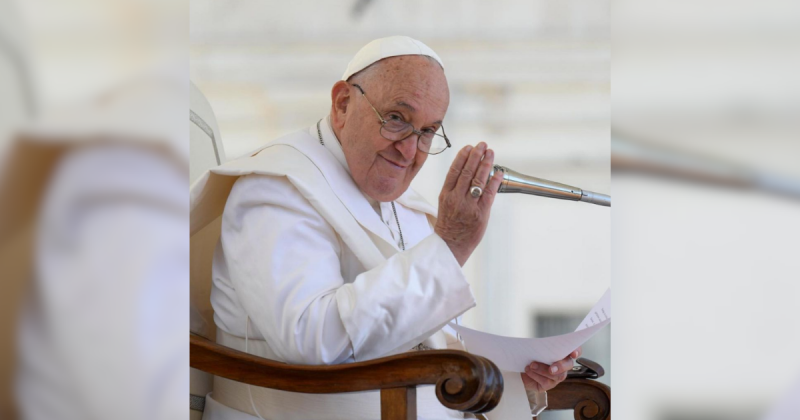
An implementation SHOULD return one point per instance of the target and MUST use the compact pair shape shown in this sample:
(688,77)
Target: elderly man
(327,256)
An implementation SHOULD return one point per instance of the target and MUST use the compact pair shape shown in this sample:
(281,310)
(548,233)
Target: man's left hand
(540,377)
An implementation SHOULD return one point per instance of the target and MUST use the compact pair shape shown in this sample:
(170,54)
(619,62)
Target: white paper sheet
(600,312)
(513,354)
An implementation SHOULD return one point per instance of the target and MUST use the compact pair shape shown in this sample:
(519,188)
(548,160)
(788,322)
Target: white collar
(332,143)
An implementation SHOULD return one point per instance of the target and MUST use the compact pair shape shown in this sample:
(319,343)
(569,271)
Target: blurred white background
(707,278)
(531,78)
(93,218)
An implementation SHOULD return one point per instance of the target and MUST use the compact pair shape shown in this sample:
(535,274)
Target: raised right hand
(462,217)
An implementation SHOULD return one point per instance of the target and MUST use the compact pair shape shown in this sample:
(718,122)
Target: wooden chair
(463,381)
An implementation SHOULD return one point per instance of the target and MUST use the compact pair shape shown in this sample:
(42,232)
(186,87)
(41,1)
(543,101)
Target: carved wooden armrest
(463,381)
(591,400)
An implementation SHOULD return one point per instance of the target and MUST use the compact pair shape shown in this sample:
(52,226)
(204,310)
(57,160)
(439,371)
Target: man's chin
(386,190)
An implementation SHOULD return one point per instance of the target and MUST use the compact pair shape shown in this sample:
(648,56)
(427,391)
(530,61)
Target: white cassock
(309,270)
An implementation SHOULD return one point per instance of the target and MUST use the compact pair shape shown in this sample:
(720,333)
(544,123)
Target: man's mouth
(395,164)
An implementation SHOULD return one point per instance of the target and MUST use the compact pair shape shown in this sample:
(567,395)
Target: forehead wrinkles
(412,79)
(426,100)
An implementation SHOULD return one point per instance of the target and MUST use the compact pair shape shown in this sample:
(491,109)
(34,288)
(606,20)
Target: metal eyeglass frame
(413,130)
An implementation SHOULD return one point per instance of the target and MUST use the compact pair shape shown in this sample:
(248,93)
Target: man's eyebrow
(412,109)
(405,105)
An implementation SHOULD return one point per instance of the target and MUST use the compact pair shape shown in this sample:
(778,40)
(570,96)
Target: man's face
(412,88)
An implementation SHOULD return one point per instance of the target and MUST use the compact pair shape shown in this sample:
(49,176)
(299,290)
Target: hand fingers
(562,366)
(468,171)
(490,191)
(544,382)
(577,353)
(482,174)
(557,371)
(455,168)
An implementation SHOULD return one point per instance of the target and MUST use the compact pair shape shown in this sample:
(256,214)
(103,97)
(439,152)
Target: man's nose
(408,146)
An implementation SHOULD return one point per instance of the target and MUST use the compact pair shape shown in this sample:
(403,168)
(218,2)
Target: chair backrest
(205,141)
(206,152)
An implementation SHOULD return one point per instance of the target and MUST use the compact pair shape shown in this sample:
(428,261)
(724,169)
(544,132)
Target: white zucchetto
(381,48)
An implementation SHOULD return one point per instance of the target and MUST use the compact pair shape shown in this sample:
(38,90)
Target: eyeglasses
(396,129)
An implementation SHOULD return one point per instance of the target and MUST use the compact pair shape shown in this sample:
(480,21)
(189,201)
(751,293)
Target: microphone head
(515,182)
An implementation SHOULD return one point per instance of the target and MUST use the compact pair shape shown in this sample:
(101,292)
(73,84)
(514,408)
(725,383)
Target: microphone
(515,182)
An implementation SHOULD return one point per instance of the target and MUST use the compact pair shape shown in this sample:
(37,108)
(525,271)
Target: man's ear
(340,100)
